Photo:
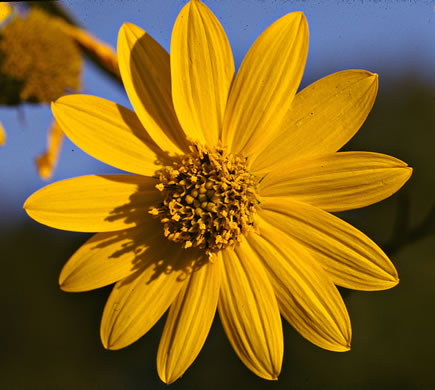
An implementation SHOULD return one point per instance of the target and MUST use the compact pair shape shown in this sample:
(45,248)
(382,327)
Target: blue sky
(387,37)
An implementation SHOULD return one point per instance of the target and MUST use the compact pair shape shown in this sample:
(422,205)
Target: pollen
(36,52)
(208,199)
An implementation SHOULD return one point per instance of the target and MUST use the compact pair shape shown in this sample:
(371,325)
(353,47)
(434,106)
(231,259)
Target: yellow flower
(41,61)
(5,11)
(2,135)
(229,207)
(38,54)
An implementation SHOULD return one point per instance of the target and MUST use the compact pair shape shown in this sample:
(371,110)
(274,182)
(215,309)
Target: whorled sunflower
(229,207)
(40,60)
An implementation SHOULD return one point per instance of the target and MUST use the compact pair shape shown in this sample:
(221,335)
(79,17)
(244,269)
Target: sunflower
(40,60)
(229,206)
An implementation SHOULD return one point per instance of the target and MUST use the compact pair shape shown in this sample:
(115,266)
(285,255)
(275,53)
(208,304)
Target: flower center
(208,199)
(38,58)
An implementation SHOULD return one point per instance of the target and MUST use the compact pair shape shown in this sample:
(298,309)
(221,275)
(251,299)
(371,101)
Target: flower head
(40,61)
(229,207)
(37,53)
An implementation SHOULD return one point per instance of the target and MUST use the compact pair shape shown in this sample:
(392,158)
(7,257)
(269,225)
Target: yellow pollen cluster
(208,199)
(35,51)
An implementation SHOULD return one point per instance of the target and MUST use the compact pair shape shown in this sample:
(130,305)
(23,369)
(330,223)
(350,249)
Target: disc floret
(208,199)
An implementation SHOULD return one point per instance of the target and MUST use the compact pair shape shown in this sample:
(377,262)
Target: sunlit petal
(107,131)
(265,84)
(349,257)
(137,302)
(108,257)
(202,69)
(307,297)
(189,321)
(322,118)
(5,11)
(2,135)
(101,203)
(249,312)
(146,75)
(340,181)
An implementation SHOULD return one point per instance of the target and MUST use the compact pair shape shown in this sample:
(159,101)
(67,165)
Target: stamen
(208,199)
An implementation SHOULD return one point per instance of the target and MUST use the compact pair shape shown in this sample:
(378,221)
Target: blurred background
(50,339)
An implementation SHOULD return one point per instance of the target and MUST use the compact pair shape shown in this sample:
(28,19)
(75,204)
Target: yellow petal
(5,11)
(137,302)
(322,118)
(2,135)
(307,298)
(189,321)
(46,162)
(107,131)
(340,181)
(104,53)
(108,257)
(249,312)
(265,85)
(202,69)
(146,74)
(103,203)
(349,257)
